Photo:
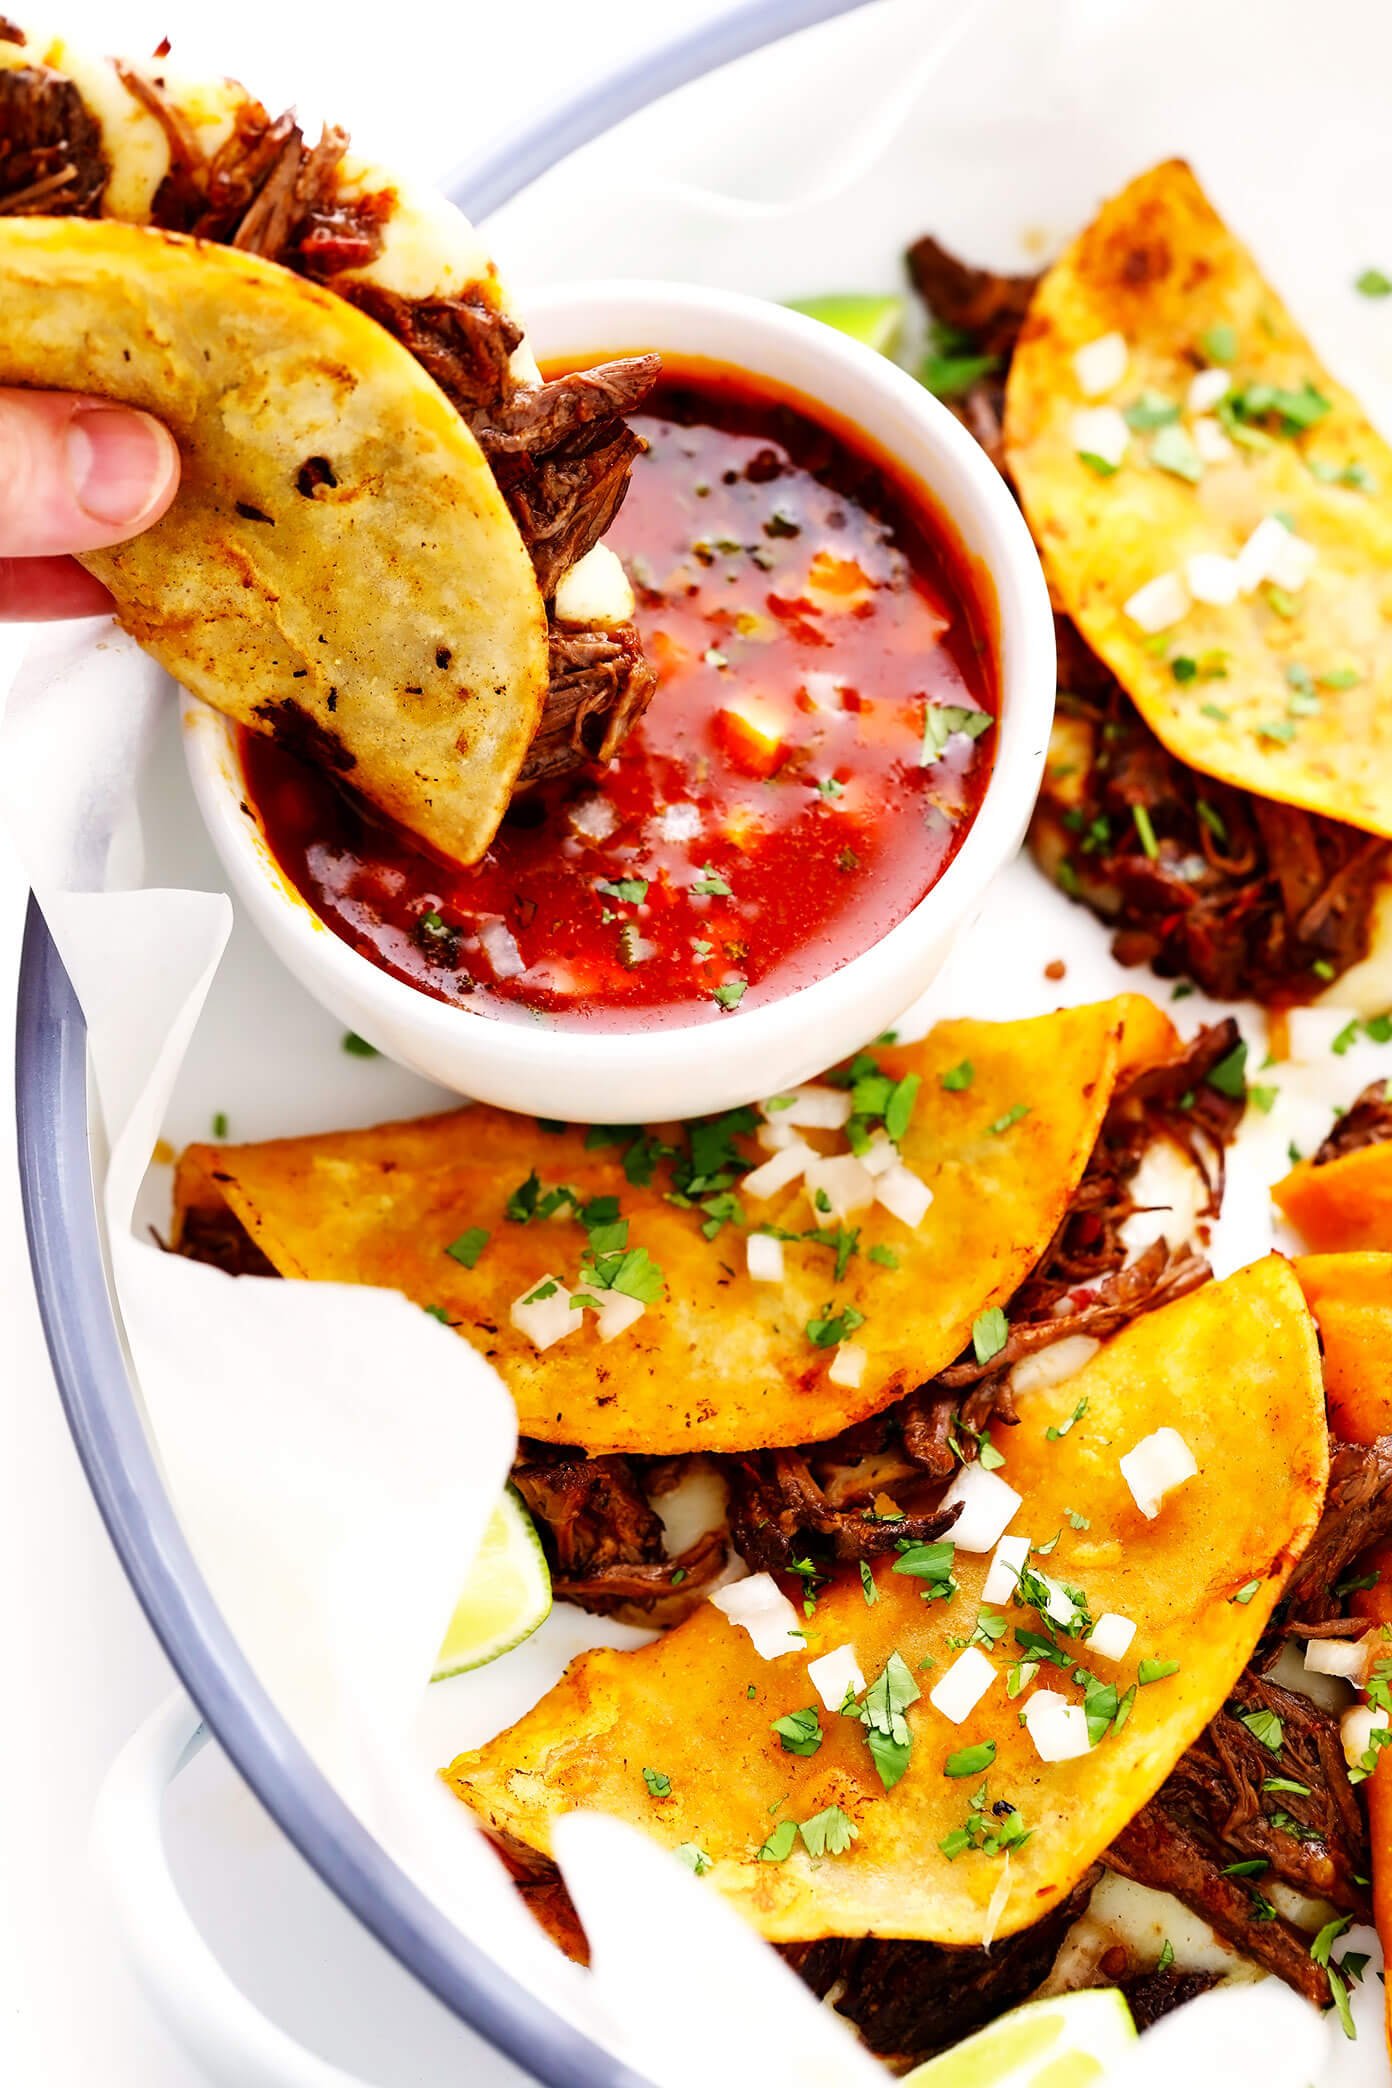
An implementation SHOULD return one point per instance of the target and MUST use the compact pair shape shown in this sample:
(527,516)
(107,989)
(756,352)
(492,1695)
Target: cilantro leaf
(799,1731)
(468,1247)
(828,1833)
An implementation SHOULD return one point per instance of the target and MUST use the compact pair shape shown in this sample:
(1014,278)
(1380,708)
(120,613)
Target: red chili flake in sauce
(772,816)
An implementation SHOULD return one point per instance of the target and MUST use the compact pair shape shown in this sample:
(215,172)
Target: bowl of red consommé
(855,664)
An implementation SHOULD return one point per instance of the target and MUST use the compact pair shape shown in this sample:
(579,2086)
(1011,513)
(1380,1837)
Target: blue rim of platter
(84,1342)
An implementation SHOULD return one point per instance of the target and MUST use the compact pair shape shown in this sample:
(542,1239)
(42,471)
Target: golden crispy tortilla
(385,617)
(1159,267)
(1344,1204)
(1350,1296)
(719,1362)
(1235,1368)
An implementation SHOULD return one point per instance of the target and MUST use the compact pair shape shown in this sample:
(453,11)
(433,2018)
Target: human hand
(75,474)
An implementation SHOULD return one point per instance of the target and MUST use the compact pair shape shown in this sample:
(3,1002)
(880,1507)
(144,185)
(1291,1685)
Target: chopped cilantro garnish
(1173,451)
(1249,1867)
(1264,1726)
(694,1857)
(867,1584)
(631,1271)
(1322,968)
(1052,1434)
(1373,283)
(941,720)
(829,787)
(659,1786)
(1103,466)
(545,1289)
(468,1247)
(931,1563)
(1263,1098)
(957,1077)
(439,1313)
(1156,1671)
(1229,1076)
(1219,343)
(1286,1783)
(1216,712)
(780,1843)
(948,376)
(220,1124)
(358,1047)
(631,891)
(1078,1522)
(1292,410)
(731,993)
(1014,1115)
(799,1731)
(988,1457)
(1184,669)
(834,1327)
(828,1833)
(884,1257)
(1212,819)
(1151,410)
(1145,831)
(970,1761)
(711,885)
(900,1107)
(990,1331)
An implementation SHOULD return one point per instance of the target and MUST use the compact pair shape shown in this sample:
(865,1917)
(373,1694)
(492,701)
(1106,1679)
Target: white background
(80,1669)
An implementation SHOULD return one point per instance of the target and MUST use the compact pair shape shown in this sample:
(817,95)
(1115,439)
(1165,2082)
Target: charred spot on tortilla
(314,473)
(249,513)
(304,735)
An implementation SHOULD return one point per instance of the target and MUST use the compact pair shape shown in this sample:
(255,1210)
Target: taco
(932,1759)
(385,548)
(1340,1199)
(1219,786)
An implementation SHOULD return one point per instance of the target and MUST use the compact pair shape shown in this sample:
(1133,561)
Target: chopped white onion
(963,1685)
(904,1194)
(1100,365)
(500,948)
(1273,552)
(545,1320)
(1211,443)
(1211,578)
(1060,1604)
(1160,603)
(1158,1464)
(1100,431)
(594,591)
(988,1508)
(615,1312)
(1111,1636)
(843,1182)
(1053,1365)
(764,1257)
(1206,388)
(882,1154)
(1003,1574)
(759,1606)
(1356,1729)
(1058,1728)
(835,1675)
(680,822)
(775,1136)
(847,1365)
(780,1172)
(816,1108)
(1347,1658)
(594,818)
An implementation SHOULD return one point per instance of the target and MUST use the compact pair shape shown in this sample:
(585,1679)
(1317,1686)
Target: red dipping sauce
(816,632)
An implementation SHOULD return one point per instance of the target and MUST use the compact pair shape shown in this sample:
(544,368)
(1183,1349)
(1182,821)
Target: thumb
(77,473)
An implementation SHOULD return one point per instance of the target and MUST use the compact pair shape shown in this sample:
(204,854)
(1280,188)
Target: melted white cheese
(1141,1921)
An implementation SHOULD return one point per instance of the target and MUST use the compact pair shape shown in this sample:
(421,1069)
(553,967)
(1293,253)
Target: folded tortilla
(1234,1367)
(718,1361)
(1287,690)
(387,525)
(1341,1205)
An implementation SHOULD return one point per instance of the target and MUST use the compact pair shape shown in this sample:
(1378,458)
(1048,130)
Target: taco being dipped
(1214,512)
(385,548)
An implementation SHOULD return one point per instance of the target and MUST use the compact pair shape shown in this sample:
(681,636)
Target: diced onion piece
(1100,431)
(1158,1464)
(1347,1658)
(764,1257)
(1058,1728)
(759,1606)
(1206,388)
(988,1508)
(883,1154)
(594,818)
(835,1675)
(500,948)
(1060,1604)
(679,822)
(1211,578)
(545,1320)
(596,590)
(1161,602)
(847,1365)
(816,1108)
(904,1194)
(1003,1574)
(1356,1729)
(1053,1365)
(1111,1636)
(779,1172)
(963,1685)
(1211,443)
(774,1137)
(1100,365)
(1273,552)
(615,1312)
(843,1182)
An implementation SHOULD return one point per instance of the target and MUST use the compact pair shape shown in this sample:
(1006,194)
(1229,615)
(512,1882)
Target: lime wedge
(1070,2041)
(871,316)
(507,1595)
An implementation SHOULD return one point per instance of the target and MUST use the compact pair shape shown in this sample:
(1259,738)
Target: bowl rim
(1024,644)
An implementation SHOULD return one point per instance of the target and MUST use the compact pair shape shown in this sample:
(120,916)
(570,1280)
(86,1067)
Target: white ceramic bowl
(656,1075)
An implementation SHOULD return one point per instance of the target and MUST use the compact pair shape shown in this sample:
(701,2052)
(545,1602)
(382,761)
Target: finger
(34,589)
(77,473)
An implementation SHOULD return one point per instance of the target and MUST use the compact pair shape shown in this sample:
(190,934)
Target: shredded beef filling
(1246,897)
(561,452)
(1367,1122)
(812,1502)
(604,1540)
(51,159)
(1357,1514)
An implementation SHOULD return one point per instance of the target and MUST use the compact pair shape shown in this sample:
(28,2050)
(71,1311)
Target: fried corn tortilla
(1286,690)
(717,1361)
(1235,1368)
(1343,1204)
(338,563)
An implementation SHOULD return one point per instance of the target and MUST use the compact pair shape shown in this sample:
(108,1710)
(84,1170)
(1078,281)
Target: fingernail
(118,462)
